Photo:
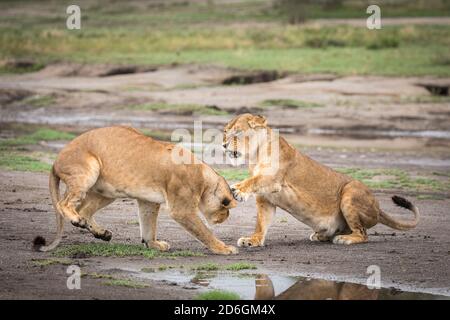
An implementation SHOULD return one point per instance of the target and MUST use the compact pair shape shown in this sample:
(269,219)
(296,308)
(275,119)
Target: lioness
(116,162)
(334,205)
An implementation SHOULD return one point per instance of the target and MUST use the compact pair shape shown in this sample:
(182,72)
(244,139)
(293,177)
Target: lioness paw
(226,250)
(160,245)
(238,194)
(249,242)
(348,239)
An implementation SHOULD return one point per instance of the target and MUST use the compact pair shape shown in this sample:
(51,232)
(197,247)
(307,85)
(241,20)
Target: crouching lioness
(119,162)
(335,206)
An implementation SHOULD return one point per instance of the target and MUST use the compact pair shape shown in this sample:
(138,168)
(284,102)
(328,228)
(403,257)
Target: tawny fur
(337,207)
(119,162)
(317,289)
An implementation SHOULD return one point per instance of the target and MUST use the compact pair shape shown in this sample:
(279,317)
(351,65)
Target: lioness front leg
(195,226)
(260,184)
(266,211)
(148,216)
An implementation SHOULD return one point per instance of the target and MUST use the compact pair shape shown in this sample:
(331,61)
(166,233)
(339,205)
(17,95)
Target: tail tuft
(402,202)
(38,242)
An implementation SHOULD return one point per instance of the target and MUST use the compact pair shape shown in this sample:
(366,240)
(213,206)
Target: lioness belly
(110,190)
(321,218)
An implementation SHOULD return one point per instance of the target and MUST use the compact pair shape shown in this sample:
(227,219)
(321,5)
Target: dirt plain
(364,122)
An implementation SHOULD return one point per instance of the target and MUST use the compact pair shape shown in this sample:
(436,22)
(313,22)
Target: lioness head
(217,200)
(241,135)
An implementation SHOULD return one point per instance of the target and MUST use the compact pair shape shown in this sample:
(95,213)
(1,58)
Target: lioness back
(130,163)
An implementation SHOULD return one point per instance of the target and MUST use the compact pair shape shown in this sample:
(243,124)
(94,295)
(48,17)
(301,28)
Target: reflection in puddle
(266,287)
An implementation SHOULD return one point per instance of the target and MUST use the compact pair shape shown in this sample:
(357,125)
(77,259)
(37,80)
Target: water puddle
(259,286)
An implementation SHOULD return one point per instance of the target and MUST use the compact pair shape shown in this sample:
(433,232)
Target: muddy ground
(414,261)
(365,122)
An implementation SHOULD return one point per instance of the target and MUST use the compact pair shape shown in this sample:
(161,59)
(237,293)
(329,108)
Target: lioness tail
(398,224)
(39,242)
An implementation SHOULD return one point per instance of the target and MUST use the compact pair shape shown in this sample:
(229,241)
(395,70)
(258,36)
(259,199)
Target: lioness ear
(257,122)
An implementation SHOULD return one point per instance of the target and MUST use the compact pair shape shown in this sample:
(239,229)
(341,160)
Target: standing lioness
(116,162)
(334,205)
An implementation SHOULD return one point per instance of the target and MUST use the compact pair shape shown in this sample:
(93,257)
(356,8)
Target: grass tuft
(240,266)
(50,261)
(118,250)
(207,267)
(217,295)
(126,283)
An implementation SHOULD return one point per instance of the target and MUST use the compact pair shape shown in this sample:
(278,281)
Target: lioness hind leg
(79,179)
(266,211)
(88,207)
(360,212)
(148,216)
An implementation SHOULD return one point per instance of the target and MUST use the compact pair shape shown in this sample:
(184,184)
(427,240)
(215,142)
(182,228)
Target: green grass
(42,134)
(12,159)
(125,283)
(118,250)
(217,295)
(50,261)
(234,174)
(207,267)
(240,266)
(39,101)
(423,99)
(184,34)
(431,197)
(12,69)
(179,108)
(289,103)
(95,275)
(230,267)
(18,162)
(395,179)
